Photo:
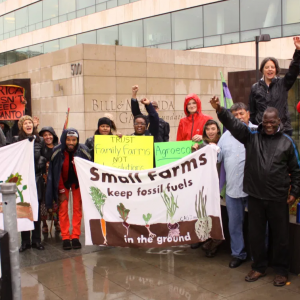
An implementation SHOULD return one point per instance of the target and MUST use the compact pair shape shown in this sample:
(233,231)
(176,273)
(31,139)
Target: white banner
(17,165)
(175,204)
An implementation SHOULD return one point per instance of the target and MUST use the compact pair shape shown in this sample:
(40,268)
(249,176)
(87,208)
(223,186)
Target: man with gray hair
(233,155)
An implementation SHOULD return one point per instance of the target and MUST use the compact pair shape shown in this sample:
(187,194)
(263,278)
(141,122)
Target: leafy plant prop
(124,215)
(147,219)
(17,179)
(204,223)
(171,205)
(98,198)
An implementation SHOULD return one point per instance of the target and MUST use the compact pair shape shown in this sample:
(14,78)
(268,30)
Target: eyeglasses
(139,124)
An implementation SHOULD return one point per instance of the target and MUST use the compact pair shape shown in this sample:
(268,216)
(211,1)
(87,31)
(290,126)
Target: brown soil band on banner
(138,236)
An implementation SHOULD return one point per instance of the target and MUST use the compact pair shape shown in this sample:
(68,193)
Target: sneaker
(67,245)
(76,244)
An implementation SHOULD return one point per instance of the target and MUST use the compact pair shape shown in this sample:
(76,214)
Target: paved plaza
(132,274)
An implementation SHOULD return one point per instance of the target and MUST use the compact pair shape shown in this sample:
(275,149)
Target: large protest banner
(171,205)
(12,105)
(128,153)
(17,165)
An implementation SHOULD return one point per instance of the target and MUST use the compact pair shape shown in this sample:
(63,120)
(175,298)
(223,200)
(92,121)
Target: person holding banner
(62,178)
(50,140)
(191,127)
(2,138)
(272,181)
(105,127)
(28,131)
(272,91)
(4,127)
(164,127)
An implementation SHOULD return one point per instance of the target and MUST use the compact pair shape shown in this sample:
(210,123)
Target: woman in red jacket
(191,127)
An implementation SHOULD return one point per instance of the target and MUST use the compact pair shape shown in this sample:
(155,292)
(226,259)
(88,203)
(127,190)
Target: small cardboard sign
(166,153)
(11,106)
(127,153)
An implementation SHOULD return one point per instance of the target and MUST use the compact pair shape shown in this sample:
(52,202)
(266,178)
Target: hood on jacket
(51,130)
(205,137)
(261,129)
(64,137)
(186,101)
(6,126)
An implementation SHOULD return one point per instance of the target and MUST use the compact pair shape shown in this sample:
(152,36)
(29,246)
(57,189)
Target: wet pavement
(121,273)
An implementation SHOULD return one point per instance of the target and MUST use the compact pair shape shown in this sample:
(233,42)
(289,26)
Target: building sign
(12,102)
(128,152)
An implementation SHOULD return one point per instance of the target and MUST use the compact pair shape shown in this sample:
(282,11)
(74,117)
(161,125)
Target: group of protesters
(260,158)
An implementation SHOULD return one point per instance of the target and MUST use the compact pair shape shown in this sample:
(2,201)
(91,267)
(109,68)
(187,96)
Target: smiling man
(272,181)
(62,177)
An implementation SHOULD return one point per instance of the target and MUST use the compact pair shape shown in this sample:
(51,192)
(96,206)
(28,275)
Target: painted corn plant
(171,205)
(203,225)
(124,215)
(147,219)
(99,200)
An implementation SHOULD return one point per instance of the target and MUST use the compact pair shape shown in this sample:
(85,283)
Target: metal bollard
(8,191)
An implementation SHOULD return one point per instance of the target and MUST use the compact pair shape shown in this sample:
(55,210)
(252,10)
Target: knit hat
(104,120)
(22,120)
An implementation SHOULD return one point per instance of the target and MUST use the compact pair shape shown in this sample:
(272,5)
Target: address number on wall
(76,69)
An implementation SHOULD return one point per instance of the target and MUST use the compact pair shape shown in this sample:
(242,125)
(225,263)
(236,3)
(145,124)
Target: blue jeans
(236,212)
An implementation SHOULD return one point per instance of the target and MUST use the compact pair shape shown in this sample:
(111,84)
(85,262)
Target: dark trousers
(276,215)
(35,234)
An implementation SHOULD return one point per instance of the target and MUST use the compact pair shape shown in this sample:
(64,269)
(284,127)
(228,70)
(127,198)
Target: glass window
(290,11)
(108,36)
(163,46)
(22,19)
(54,21)
(21,54)
(51,46)
(67,42)
(187,24)
(292,29)
(84,3)
(80,13)
(221,17)
(50,9)
(63,18)
(87,38)
(2,59)
(9,22)
(195,43)
(260,14)
(66,6)
(101,1)
(71,16)
(230,38)
(35,13)
(212,41)
(250,35)
(101,7)
(11,57)
(112,4)
(131,34)
(122,2)
(274,32)
(90,10)
(1,25)
(157,30)
(179,45)
(46,23)
(36,50)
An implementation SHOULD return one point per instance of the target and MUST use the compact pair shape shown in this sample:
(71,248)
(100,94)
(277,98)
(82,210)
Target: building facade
(119,43)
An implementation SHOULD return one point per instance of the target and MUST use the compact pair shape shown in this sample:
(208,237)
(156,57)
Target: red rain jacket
(191,124)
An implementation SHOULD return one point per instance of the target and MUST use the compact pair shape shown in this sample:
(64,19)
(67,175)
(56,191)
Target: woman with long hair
(49,141)
(27,130)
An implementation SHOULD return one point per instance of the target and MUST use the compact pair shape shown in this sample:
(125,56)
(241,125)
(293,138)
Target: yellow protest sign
(127,153)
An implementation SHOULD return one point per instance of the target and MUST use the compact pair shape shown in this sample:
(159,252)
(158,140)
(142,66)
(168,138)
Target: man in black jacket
(272,171)
(164,127)
(62,177)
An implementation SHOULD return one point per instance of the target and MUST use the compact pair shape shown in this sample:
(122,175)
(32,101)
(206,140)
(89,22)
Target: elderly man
(272,181)
(233,155)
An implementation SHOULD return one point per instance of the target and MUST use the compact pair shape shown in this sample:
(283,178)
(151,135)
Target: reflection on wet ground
(121,273)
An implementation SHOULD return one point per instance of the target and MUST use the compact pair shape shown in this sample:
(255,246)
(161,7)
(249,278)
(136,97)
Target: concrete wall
(108,72)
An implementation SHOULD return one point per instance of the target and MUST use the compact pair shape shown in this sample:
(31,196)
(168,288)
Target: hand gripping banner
(175,204)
